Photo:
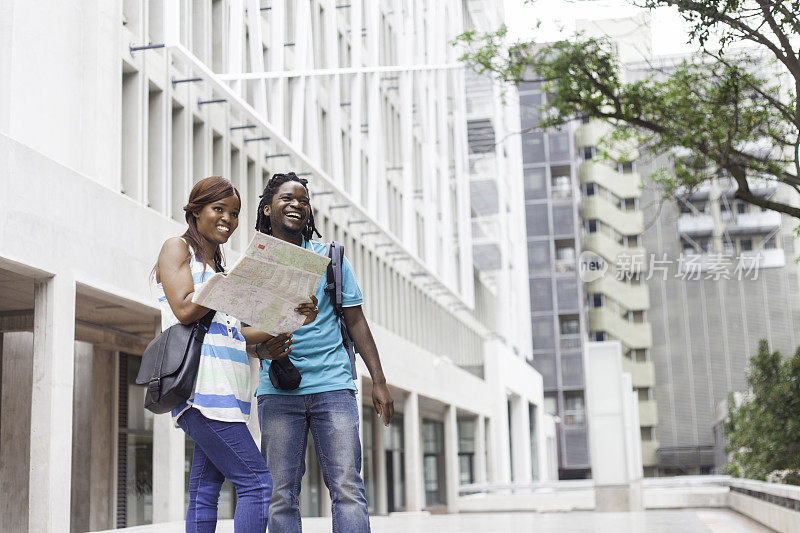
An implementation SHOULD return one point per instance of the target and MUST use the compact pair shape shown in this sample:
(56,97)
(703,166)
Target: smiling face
(289,211)
(218,220)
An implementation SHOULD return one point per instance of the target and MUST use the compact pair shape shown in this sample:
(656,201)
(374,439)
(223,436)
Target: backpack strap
(333,288)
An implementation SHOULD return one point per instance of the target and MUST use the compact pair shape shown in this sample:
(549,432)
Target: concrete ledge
(779,518)
(539,501)
(685,497)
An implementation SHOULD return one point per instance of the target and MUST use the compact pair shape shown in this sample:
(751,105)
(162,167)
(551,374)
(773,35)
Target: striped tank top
(222,389)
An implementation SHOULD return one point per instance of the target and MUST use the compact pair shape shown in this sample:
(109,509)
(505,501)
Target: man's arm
(365,345)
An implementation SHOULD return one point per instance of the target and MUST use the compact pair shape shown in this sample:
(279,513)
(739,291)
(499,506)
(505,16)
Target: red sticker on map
(261,246)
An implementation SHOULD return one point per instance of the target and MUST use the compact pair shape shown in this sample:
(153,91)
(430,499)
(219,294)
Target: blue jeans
(332,418)
(225,450)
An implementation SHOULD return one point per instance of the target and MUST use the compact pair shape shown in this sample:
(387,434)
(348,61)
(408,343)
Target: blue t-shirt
(317,351)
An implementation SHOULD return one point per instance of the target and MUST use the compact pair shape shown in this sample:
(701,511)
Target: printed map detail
(263,288)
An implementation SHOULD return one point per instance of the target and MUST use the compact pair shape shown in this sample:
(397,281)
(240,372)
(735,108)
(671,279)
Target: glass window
(573,408)
(533,147)
(595,300)
(535,186)
(559,146)
(591,226)
(539,256)
(543,334)
(530,110)
(432,460)
(545,364)
(563,220)
(589,152)
(541,294)
(567,290)
(569,325)
(560,182)
(536,220)
(565,256)
(134,450)
(589,189)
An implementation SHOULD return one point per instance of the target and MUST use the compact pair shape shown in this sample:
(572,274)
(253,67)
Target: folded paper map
(266,284)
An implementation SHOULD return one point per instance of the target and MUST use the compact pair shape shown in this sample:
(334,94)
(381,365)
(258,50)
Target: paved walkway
(675,521)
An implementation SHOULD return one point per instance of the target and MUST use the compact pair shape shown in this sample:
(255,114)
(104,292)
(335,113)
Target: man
(325,401)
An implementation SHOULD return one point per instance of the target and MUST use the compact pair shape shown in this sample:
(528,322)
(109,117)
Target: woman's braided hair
(263,223)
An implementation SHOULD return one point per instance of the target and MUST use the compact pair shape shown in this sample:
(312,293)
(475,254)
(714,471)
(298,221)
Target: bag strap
(334,277)
(333,288)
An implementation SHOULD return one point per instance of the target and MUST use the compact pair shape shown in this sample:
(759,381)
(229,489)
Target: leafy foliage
(764,428)
(730,111)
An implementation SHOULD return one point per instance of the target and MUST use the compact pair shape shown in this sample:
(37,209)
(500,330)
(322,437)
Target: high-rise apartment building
(707,277)
(724,276)
(111,111)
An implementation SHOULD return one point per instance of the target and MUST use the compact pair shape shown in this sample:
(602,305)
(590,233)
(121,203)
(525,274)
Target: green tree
(763,426)
(725,109)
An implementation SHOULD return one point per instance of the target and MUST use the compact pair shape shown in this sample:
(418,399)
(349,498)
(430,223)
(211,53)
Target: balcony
(623,222)
(648,413)
(649,455)
(610,250)
(632,335)
(761,222)
(701,225)
(596,132)
(622,185)
(631,297)
(642,373)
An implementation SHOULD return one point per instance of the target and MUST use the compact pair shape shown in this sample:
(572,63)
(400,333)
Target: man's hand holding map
(264,287)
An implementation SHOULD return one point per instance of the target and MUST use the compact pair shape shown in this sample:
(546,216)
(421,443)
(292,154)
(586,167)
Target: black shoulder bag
(170,362)
(334,290)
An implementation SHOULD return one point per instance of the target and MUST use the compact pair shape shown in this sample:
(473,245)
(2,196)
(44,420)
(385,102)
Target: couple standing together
(215,415)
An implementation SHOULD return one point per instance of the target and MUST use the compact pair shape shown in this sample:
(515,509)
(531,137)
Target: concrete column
(83,411)
(521,440)
(451,458)
(104,441)
(169,456)
(169,461)
(15,428)
(491,451)
(51,404)
(541,445)
(379,437)
(415,489)
(480,449)
(611,431)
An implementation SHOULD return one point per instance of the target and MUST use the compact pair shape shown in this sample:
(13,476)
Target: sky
(558,21)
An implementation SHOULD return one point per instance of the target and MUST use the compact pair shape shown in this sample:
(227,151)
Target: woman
(216,414)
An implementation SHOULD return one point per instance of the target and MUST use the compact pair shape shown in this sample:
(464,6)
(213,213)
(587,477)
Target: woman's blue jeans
(225,450)
(332,418)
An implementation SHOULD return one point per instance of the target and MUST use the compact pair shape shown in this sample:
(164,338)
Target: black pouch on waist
(283,374)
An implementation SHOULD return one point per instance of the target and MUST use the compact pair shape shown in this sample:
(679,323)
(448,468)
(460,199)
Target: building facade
(111,111)
(707,276)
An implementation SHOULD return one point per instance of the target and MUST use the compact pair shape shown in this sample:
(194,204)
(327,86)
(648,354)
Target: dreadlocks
(263,223)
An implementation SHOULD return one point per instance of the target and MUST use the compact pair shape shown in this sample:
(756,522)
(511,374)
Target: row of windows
(593,225)
(166,146)
(731,245)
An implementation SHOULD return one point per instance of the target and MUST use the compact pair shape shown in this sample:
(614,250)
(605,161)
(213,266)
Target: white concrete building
(101,142)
